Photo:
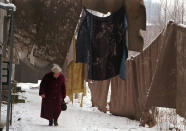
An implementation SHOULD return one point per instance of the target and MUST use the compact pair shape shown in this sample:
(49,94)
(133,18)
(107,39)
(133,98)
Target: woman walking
(53,91)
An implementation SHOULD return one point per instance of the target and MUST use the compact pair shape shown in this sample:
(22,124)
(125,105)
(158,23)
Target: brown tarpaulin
(173,56)
(163,86)
(181,70)
(128,97)
(158,72)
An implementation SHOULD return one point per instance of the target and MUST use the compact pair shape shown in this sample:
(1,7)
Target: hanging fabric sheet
(99,91)
(83,38)
(101,43)
(75,77)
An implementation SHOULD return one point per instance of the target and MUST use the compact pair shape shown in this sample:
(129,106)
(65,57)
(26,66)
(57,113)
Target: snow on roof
(182,25)
(8,5)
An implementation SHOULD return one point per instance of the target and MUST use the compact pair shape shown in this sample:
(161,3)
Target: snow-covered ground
(26,116)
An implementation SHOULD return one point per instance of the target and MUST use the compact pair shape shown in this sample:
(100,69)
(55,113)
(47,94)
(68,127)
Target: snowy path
(26,117)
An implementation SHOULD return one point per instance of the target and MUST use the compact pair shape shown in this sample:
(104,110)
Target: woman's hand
(43,96)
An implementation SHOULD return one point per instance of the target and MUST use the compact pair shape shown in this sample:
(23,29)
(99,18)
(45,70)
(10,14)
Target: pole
(1,56)
(10,68)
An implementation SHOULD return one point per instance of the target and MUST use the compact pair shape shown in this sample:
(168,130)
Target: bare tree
(160,13)
(173,10)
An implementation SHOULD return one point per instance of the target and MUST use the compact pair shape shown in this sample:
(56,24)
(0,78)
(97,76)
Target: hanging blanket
(75,77)
(101,43)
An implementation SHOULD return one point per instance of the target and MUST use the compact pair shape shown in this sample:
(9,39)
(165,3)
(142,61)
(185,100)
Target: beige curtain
(99,93)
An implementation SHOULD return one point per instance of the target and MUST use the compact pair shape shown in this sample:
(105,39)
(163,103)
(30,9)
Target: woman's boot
(50,122)
(55,123)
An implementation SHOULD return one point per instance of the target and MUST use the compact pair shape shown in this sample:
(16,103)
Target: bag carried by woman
(63,105)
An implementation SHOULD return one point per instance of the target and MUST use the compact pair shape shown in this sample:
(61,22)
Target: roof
(8,6)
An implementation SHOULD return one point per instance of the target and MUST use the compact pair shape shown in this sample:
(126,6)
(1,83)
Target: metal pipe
(10,68)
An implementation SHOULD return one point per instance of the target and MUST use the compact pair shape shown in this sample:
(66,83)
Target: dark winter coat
(54,90)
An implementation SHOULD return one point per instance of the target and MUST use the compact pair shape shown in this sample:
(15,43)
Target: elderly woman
(53,91)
